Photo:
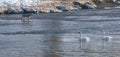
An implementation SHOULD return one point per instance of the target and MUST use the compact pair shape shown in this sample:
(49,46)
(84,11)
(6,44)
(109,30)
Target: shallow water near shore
(57,34)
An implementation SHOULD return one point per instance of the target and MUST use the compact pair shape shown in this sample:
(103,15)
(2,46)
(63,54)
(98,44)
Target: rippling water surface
(57,34)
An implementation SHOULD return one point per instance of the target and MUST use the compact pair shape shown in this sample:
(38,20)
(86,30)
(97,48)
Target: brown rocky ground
(104,3)
(108,4)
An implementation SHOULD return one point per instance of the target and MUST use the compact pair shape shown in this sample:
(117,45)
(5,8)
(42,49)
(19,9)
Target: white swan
(83,39)
(106,38)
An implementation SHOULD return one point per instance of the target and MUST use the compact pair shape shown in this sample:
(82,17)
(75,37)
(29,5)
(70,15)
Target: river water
(57,34)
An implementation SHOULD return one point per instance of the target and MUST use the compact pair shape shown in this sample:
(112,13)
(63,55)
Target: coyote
(25,17)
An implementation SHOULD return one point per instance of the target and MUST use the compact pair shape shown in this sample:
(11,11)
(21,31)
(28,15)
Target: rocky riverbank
(59,6)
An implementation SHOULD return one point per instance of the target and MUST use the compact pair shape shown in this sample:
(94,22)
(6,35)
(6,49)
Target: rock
(117,2)
(20,11)
(77,5)
(54,11)
(1,11)
(61,8)
(88,6)
(37,11)
(11,11)
(28,10)
(99,1)
(107,7)
(114,1)
(118,7)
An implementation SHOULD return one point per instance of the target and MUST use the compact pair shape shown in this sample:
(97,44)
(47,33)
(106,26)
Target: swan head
(80,32)
(103,31)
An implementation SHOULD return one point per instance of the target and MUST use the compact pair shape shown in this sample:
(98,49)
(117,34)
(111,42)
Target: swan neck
(103,33)
(80,34)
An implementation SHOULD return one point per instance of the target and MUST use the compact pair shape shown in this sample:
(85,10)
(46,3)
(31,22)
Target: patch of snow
(17,2)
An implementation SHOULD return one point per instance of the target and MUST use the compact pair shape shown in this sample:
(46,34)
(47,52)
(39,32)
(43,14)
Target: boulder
(61,8)
(20,11)
(11,11)
(54,11)
(77,5)
(28,10)
(88,6)
(99,1)
(1,11)
(117,2)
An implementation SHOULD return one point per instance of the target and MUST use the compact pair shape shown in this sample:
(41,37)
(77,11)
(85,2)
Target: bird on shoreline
(26,17)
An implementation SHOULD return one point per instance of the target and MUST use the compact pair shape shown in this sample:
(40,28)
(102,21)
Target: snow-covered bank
(16,2)
(23,2)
